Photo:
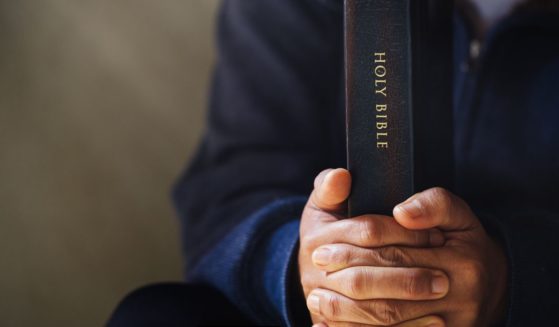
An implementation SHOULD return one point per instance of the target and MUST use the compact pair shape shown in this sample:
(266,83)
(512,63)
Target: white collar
(491,11)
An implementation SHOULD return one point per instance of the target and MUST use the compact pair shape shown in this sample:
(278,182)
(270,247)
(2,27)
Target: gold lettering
(382,135)
(381,87)
(381,91)
(380,72)
(380,57)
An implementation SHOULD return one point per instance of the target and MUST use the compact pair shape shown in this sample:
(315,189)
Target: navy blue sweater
(276,119)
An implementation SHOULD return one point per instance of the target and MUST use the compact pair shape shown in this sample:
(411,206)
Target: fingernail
(412,208)
(435,324)
(313,303)
(436,237)
(439,284)
(321,256)
(321,177)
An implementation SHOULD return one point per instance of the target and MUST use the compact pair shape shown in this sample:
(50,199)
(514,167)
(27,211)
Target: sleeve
(274,122)
(529,238)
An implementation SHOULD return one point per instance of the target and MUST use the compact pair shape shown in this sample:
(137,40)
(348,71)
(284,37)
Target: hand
(474,262)
(322,224)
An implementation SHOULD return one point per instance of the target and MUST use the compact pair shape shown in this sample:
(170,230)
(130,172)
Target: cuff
(253,264)
(280,278)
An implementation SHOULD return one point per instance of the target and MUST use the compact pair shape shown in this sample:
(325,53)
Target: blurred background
(101,104)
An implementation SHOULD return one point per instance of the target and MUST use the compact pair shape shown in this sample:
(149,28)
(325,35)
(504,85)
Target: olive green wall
(101,104)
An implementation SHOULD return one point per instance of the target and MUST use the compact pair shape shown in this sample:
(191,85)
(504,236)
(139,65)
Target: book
(398,62)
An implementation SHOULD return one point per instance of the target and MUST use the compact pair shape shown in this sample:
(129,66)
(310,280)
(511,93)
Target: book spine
(378,104)
(398,59)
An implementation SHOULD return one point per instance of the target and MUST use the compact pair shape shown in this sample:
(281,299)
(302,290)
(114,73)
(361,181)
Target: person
(266,235)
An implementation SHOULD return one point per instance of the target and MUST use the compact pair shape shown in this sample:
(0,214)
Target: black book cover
(398,57)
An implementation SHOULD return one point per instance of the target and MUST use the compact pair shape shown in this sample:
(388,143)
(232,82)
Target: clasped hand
(431,266)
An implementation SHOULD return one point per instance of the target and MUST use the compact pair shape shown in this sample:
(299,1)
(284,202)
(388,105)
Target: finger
(368,283)
(335,257)
(331,190)
(435,207)
(337,309)
(341,324)
(430,321)
(375,231)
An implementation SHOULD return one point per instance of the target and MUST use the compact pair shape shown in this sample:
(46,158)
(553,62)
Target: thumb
(435,208)
(331,190)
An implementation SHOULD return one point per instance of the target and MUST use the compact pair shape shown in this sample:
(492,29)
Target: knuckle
(385,312)
(309,241)
(440,192)
(367,230)
(342,255)
(473,275)
(473,271)
(332,308)
(416,283)
(355,284)
(391,256)
(370,232)
(441,198)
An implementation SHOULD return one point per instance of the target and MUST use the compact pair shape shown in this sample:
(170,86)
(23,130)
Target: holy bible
(398,62)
